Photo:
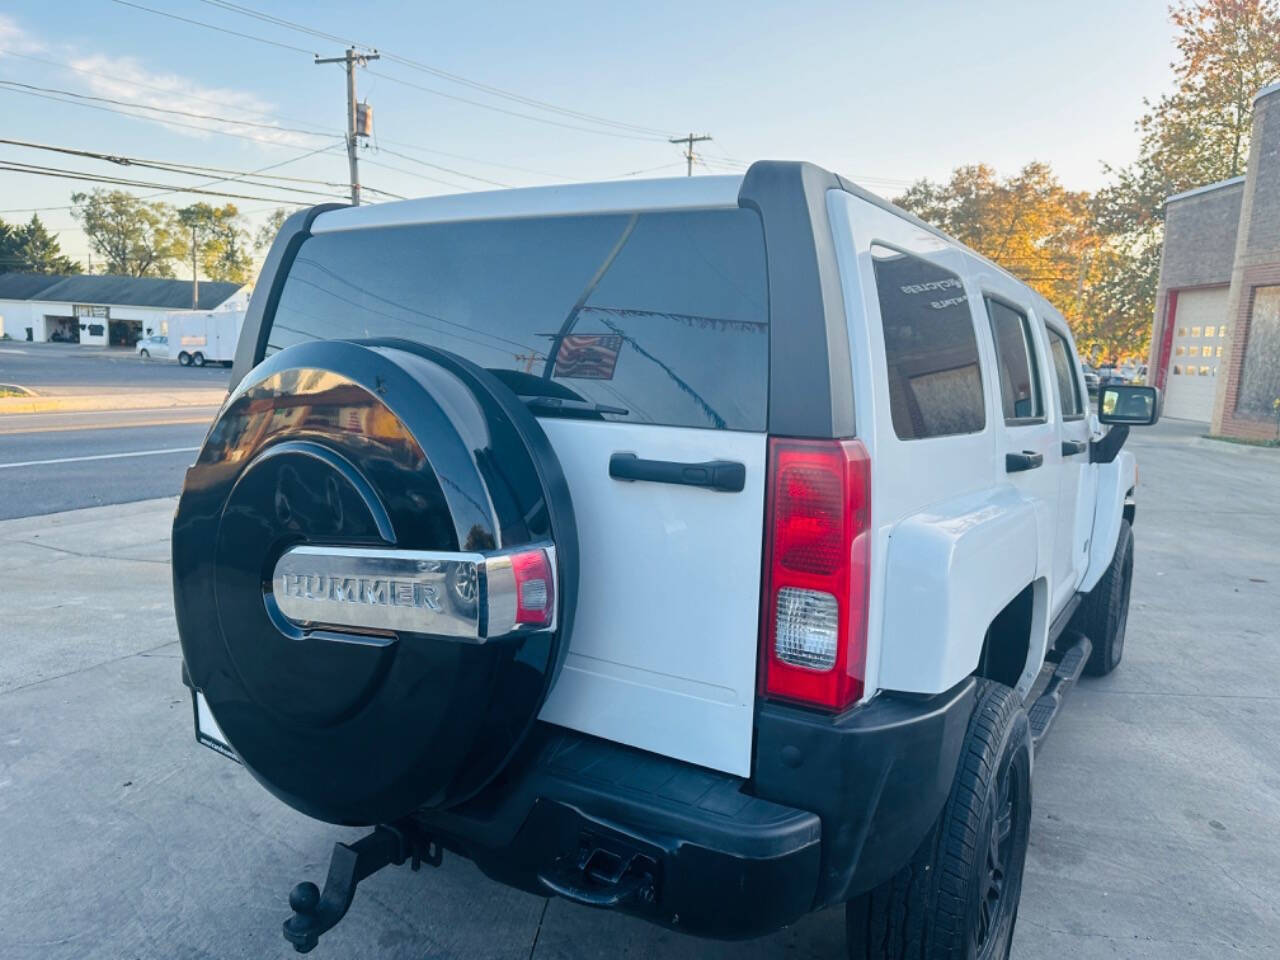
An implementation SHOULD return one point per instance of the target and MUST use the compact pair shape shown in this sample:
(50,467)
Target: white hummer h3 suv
(713,549)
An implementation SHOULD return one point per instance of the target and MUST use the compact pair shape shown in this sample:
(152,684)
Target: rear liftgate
(375,569)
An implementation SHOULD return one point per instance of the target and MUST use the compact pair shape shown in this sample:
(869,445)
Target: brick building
(1215,343)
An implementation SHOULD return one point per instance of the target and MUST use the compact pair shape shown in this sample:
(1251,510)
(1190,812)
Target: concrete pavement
(1156,798)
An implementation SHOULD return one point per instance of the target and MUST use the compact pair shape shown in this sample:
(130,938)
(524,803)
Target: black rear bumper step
(1046,707)
(609,826)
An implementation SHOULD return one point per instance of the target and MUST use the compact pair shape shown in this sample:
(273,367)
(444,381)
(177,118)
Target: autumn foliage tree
(1097,258)
(1196,135)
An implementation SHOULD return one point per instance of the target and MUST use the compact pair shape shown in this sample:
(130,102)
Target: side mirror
(1128,404)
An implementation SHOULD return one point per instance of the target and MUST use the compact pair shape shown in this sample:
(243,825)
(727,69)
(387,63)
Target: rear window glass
(664,315)
(931,350)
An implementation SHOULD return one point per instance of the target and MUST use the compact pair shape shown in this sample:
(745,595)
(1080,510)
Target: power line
(436,166)
(45,171)
(169,91)
(514,113)
(414,173)
(210,26)
(171,123)
(189,168)
(133,105)
(435,71)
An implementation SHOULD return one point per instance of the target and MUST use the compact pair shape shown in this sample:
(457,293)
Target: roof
(109,290)
(613,196)
(1205,189)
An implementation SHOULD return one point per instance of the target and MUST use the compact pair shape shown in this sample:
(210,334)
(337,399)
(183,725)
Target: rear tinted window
(931,350)
(662,314)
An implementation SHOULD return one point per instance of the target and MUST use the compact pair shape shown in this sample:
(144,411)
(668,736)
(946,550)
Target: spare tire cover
(345,559)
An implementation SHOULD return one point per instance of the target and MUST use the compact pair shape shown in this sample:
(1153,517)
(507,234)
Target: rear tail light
(817,551)
(535,590)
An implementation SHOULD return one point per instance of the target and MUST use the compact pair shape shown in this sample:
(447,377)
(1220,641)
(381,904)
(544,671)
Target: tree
(40,251)
(1196,135)
(267,232)
(220,240)
(133,237)
(1029,224)
(32,249)
(228,257)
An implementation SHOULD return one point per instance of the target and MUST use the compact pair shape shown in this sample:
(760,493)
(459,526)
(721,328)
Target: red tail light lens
(817,552)
(535,588)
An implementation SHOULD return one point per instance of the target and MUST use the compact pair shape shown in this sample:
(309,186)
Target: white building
(98,310)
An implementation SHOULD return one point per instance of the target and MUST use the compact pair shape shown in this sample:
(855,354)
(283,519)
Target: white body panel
(1115,480)
(663,652)
(950,569)
(955,536)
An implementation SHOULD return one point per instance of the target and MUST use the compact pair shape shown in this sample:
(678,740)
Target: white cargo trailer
(198,337)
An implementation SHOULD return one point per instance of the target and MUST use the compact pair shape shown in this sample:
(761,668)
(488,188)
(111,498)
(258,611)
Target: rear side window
(1020,396)
(1065,371)
(664,315)
(931,352)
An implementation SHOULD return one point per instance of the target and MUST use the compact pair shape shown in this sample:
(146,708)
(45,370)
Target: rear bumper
(837,804)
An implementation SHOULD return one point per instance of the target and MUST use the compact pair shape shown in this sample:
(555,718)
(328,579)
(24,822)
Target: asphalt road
(64,461)
(51,462)
(68,368)
(1153,834)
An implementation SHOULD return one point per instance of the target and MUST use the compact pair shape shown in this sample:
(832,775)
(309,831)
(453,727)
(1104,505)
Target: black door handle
(728,476)
(1026,460)
(1071,447)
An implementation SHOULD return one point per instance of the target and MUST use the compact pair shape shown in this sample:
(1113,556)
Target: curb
(1209,443)
(125,401)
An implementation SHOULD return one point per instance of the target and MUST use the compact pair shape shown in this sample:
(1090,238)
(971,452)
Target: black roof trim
(266,295)
(810,375)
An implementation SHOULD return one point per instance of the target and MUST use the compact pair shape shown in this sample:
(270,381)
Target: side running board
(1045,710)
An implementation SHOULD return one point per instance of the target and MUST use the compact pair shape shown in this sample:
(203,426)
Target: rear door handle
(728,476)
(1026,460)
(1071,447)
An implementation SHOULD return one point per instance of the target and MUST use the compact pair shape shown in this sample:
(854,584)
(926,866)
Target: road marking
(127,425)
(100,456)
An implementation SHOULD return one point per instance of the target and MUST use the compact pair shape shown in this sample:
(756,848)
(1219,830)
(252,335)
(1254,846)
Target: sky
(883,92)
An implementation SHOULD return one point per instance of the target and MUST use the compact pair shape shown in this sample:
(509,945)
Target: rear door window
(1065,372)
(1020,394)
(931,351)
(663,315)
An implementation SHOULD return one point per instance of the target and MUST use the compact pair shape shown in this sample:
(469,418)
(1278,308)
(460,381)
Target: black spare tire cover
(347,560)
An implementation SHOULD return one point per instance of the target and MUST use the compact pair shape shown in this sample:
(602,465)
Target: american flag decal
(588,356)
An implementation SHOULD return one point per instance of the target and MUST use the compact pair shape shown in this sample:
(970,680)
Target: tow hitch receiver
(315,913)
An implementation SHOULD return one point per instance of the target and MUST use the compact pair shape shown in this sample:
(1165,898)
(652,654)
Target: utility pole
(688,154)
(195,274)
(352,59)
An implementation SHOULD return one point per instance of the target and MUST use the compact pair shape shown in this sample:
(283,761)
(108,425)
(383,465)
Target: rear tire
(958,897)
(197,359)
(184,359)
(1104,612)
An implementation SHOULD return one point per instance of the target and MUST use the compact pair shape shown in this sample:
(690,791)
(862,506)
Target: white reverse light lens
(807,628)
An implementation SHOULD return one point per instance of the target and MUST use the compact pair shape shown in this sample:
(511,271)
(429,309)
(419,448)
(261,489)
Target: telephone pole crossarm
(351,60)
(690,140)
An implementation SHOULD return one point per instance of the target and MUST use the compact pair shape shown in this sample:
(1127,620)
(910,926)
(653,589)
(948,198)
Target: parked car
(1091,379)
(155,346)
(698,570)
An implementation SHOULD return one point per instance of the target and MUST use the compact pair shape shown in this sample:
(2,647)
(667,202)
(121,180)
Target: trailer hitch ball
(315,912)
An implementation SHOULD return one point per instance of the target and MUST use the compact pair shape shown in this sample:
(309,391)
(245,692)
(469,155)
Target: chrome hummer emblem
(469,597)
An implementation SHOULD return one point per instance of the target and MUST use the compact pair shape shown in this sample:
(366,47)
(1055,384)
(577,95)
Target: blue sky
(883,92)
